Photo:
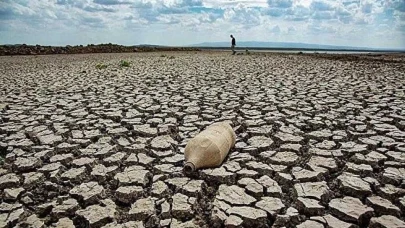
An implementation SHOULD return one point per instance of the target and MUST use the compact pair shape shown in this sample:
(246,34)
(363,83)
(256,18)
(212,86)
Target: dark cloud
(399,5)
(190,3)
(7,13)
(275,12)
(367,8)
(320,6)
(280,3)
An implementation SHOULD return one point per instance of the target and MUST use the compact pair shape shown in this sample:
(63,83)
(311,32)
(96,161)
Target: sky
(361,23)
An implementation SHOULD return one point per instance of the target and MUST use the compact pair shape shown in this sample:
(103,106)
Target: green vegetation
(101,66)
(124,63)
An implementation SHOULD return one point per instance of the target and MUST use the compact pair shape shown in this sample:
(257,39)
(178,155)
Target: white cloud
(182,22)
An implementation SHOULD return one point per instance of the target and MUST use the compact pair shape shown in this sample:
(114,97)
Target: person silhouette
(233,44)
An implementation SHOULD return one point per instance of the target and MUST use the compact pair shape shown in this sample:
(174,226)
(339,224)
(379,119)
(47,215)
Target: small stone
(261,168)
(10,219)
(163,142)
(88,192)
(193,187)
(318,190)
(51,168)
(304,175)
(65,208)
(327,145)
(260,142)
(9,181)
(309,206)
(64,223)
(159,189)
(142,209)
(101,173)
(402,203)
(85,161)
(133,175)
(65,159)
(128,194)
(145,159)
(50,139)
(386,221)
(13,193)
(284,179)
(180,207)
(250,216)
(131,160)
(383,206)
(163,223)
(75,175)
(178,224)
(131,224)
(33,222)
(332,222)
(393,175)
(359,169)
(251,186)
(96,216)
(114,159)
(32,179)
(165,213)
(234,195)
(397,156)
(26,200)
(288,138)
(219,175)
(247,173)
(317,163)
(27,164)
(291,217)
(351,209)
(272,187)
(284,158)
(391,192)
(6,207)
(270,204)
(66,147)
(167,169)
(310,224)
(320,135)
(233,221)
(353,185)
(291,147)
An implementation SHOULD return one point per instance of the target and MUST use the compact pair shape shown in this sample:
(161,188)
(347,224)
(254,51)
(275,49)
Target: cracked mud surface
(320,141)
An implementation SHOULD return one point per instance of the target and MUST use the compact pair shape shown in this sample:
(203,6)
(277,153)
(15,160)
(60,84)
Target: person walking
(233,44)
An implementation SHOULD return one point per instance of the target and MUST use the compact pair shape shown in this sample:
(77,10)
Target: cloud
(98,9)
(280,3)
(112,2)
(183,22)
(318,5)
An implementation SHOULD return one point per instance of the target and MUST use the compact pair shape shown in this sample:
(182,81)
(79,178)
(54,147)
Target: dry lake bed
(320,140)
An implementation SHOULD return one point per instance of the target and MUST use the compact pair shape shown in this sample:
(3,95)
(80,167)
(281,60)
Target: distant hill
(286,45)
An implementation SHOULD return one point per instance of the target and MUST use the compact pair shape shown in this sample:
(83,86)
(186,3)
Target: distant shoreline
(294,50)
